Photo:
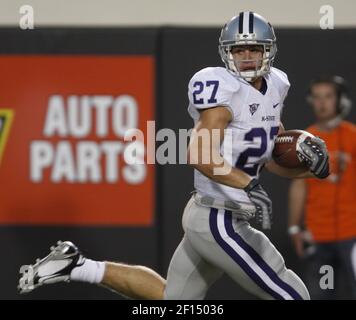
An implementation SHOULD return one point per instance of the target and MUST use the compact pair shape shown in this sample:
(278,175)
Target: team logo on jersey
(253,107)
(6,116)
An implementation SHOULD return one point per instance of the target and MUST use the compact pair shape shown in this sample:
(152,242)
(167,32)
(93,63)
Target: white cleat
(56,267)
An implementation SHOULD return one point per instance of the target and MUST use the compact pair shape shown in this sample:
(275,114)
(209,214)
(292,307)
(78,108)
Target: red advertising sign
(62,125)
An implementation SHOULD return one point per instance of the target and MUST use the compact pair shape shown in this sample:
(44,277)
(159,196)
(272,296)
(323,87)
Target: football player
(243,103)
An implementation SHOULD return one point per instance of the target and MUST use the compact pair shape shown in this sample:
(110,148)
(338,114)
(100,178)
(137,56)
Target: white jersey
(256,119)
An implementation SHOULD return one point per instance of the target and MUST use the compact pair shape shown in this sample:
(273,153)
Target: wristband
(253,183)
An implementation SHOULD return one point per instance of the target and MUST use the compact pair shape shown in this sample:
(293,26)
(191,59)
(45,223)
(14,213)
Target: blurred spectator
(328,205)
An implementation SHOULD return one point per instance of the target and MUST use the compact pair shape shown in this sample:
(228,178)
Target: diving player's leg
(248,257)
(65,263)
(135,282)
(189,275)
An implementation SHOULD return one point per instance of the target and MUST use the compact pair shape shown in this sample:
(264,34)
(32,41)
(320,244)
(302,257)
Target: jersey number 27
(199,87)
(241,163)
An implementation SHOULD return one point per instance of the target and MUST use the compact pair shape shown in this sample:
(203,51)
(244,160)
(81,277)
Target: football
(285,148)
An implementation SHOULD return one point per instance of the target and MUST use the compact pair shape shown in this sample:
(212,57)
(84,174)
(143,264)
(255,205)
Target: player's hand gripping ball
(301,149)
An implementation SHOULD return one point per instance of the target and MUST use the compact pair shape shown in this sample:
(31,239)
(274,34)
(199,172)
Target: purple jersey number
(200,88)
(242,161)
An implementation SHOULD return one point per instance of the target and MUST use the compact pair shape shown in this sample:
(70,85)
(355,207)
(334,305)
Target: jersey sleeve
(211,87)
(282,84)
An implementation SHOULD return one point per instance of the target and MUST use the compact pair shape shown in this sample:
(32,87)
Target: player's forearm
(224,174)
(210,162)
